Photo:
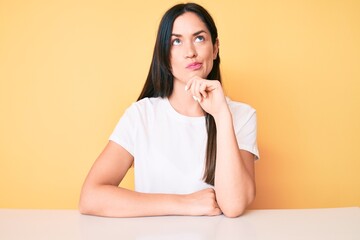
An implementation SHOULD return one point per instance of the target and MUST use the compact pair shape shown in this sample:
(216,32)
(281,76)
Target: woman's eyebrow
(194,34)
(199,32)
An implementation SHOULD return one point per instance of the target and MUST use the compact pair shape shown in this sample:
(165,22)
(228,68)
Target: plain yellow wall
(68,70)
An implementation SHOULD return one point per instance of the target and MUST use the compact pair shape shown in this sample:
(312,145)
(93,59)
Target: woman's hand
(202,203)
(208,93)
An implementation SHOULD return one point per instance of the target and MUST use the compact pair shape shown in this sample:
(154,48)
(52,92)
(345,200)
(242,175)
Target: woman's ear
(216,49)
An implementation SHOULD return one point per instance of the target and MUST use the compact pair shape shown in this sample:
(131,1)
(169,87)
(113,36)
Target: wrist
(188,205)
(182,204)
(223,115)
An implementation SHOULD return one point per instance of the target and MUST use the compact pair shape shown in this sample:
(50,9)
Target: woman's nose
(190,51)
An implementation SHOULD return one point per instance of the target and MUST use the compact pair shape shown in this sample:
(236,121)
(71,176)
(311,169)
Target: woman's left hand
(208,93)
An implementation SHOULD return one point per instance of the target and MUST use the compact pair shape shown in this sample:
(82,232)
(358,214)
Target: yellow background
(68,70)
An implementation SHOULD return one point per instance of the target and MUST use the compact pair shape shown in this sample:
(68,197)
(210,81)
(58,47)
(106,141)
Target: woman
(192,148)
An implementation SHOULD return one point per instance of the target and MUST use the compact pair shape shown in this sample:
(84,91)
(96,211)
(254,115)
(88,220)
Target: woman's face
(192,51)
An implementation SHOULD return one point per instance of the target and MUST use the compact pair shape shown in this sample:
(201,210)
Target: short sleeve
(125,130)
(245,126)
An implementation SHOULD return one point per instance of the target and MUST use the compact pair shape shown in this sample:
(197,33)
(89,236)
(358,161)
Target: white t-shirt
(169,148)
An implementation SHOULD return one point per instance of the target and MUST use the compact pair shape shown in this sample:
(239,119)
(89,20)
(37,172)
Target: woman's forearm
(234,185)
(112,201)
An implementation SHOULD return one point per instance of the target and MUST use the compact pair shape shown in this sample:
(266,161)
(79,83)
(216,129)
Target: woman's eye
(199,39)
(176,42)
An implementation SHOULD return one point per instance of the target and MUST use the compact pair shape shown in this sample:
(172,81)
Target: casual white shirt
(169,148)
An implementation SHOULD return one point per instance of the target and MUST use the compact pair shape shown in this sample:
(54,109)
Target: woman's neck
(183,102)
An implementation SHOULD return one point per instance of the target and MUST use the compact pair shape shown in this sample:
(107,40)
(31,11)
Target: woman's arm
(101,195)
(234,171)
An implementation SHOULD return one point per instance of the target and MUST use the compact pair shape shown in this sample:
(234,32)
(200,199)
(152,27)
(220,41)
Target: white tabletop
(336,223)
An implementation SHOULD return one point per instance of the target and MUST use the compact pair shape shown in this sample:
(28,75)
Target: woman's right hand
(202,203)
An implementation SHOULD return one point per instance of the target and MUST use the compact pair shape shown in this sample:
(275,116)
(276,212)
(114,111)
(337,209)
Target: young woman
(193,149)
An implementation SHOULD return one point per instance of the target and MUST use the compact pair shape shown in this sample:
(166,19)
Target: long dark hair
(159,82)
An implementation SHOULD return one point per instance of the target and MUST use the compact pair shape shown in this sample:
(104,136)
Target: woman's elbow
(84,206)
(87,205)
(83,210)
(234,212)
(238,209)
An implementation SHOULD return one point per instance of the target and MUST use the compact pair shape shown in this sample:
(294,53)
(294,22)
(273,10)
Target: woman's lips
(194,66)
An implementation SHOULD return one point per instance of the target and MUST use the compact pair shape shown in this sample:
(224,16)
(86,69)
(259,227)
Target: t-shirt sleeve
(125,130)
(246,131)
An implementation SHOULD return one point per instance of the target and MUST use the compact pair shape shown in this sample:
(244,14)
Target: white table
(337,223)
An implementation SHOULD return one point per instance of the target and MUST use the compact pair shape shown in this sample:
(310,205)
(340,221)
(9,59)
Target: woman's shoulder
(149,101)
(146,105)
(240,108)
(244,117)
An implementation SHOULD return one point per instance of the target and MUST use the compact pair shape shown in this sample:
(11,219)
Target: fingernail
(195,98)
(186,88)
